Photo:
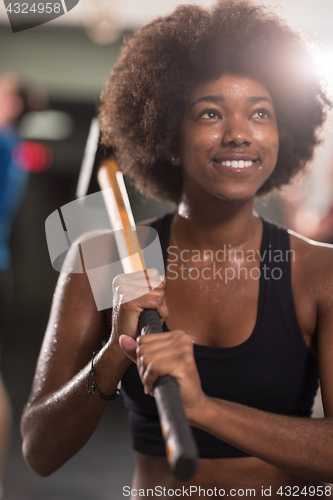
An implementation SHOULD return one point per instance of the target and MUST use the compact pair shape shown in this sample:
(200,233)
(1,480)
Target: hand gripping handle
(180,447)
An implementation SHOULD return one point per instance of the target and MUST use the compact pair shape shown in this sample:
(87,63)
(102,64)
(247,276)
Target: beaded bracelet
(94,385)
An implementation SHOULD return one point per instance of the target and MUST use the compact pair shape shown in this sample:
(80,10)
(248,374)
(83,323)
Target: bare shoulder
(311,250)
(312,260)
(74,258)
(74,294)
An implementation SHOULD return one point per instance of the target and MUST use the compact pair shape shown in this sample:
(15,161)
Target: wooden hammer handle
(181,449)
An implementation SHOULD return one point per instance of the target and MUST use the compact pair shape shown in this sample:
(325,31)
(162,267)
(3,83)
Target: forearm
(300,446)
(57,425)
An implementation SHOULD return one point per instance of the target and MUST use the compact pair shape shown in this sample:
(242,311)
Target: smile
(237,163)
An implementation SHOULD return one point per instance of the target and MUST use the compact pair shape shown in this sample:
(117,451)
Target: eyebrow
(219,98)
(260,98)
(209,98)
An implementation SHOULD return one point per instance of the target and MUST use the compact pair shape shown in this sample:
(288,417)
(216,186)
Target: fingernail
(121,337)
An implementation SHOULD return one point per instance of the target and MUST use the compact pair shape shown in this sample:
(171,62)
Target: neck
(212,225)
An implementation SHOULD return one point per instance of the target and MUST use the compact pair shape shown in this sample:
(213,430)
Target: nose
(236,132)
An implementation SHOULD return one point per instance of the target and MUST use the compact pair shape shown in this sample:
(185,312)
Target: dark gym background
(72,69)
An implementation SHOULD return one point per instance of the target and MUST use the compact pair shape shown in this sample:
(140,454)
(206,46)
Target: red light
(32,156)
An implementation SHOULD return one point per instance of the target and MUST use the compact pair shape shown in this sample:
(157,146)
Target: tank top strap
(275,248)
(275,255)
(277,258)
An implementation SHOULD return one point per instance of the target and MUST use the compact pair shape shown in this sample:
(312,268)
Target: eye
(209,114)
(261,113)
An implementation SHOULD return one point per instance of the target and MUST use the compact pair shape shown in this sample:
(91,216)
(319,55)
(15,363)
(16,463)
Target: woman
(207,109)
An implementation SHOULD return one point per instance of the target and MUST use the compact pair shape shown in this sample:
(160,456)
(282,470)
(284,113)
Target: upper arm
(323,263)
(75,329)
(325,343)
(313,297)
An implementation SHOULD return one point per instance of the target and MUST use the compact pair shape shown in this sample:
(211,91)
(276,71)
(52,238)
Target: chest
(218,305)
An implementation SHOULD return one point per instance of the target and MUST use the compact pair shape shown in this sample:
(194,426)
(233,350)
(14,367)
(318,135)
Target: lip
(234,157)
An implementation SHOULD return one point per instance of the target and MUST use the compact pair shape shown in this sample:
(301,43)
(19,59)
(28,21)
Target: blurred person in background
(16,99)
(306,216)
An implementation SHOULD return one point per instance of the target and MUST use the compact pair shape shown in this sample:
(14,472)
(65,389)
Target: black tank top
(272,370)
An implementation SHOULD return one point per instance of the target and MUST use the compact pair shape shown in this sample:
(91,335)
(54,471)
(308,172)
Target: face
(229,138)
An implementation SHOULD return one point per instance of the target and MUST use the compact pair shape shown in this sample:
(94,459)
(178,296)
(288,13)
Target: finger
(173,337)
(152,274)
(175,367)
(160,349)
(156,366)
(131,303)
(137,289)
(140,286)
(129,346)
(160,358)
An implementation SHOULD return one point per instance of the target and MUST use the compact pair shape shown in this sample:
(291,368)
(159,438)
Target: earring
(175,159)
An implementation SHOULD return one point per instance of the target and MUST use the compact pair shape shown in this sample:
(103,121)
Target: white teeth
(237,164)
